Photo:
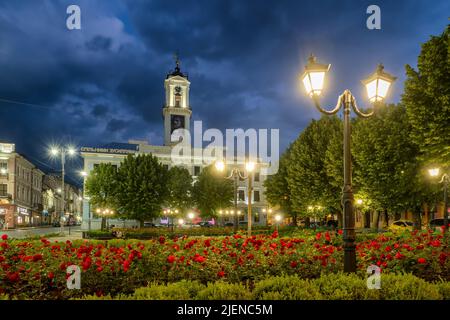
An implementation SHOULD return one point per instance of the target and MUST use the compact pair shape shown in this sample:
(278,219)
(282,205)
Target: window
(256,176)
(257,217)
(241,195)
(3,189)
(177,100)
(256,196)
(3,167)
(196,170)
(166,166)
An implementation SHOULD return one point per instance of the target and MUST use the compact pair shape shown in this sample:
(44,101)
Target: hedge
(327,287)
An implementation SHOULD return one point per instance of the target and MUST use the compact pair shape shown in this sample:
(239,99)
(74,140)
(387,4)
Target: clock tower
(176,111)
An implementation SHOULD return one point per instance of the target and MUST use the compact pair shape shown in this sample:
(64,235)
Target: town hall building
(176,115)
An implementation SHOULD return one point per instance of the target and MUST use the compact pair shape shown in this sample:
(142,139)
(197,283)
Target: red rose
(13,276)
(37,257)
(318,236)
(171,259)
(199,259)
(422,260)
(294,264)
(51,275)
(4,237)
(221,274)
(340,231)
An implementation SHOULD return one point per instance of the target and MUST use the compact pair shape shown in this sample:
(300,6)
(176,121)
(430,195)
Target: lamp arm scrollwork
(358,111)
(445,178)
(328,112)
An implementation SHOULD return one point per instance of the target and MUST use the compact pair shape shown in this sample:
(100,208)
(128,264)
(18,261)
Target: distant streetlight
(63,151)
(377,86)
(445,179)
(235,175)
(191,217)
(180,222)
(278,219)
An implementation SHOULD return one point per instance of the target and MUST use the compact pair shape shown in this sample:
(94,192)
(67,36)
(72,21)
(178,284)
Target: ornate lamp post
(235,175)
(445,179)
(377,86)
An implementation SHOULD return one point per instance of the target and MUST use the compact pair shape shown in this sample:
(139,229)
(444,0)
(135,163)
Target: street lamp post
(54,151)
(278,219)
(235,175)
(377,86)
(191,217)
(445,179)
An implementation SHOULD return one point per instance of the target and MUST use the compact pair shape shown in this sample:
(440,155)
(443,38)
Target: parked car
(437,224)
(204,224)
(229,224)
(149,224)
(401,225)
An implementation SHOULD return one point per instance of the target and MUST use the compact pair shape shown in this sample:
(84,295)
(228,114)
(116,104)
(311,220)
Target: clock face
(178,89)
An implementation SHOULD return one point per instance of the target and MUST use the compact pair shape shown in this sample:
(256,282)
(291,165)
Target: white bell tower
(176,111)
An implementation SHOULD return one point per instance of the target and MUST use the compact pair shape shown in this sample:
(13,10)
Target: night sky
(104,83)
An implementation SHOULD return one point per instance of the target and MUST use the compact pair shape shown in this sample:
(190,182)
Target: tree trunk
(376,220)
(386,217)
(103,227)
(294,219)
(307,222)
(417,219)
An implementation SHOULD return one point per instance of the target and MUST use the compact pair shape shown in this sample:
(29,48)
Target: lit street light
(235,175)
(191,217)
(377,86)
(278,219)
(63,151)
(445,180)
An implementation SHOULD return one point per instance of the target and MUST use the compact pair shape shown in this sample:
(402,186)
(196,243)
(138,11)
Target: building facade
(20,189)
(176,115)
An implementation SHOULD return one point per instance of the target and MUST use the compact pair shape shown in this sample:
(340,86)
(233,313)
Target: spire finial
(177,61)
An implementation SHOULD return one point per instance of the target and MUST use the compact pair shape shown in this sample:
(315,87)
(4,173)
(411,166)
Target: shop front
(23,217)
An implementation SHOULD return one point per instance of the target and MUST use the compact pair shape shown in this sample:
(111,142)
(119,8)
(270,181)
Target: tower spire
(177,61)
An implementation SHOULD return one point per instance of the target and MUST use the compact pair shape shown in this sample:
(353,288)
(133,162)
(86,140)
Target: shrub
(344,287)
(183,290)
(407,287)
(444,289)
(285,288)
(224,291)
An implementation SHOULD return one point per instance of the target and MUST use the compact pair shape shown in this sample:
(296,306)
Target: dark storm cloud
(104,82)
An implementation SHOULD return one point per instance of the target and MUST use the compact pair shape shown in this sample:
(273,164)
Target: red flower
(13,276)
(422,260)
(221,274)
(126,265)
(51,275)
(318,236)
(340,231)
(199,259)
(327,236)
(171,259)
(294,264)
(5,237)
(37,257)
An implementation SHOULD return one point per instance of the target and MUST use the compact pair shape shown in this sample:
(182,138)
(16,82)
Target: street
(41,231)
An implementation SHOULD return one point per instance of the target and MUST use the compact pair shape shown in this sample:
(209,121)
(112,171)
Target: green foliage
(180,189)
(387,168)
(344,287)
(308,178)
(427,100)
(407,287)
(212,192)
(141,188)
(444,289)
(285,288)
(220,290)
(183,290)
(100,186)
(276,186)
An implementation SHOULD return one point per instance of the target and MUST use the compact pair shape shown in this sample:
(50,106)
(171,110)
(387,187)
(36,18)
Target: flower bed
(37,269)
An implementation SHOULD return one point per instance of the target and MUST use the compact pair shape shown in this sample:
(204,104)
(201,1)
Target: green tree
(388,170)
(212,192)
(141,188)
(427,100)
(100,188)
(308,179)
(277,190)
(180,189)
